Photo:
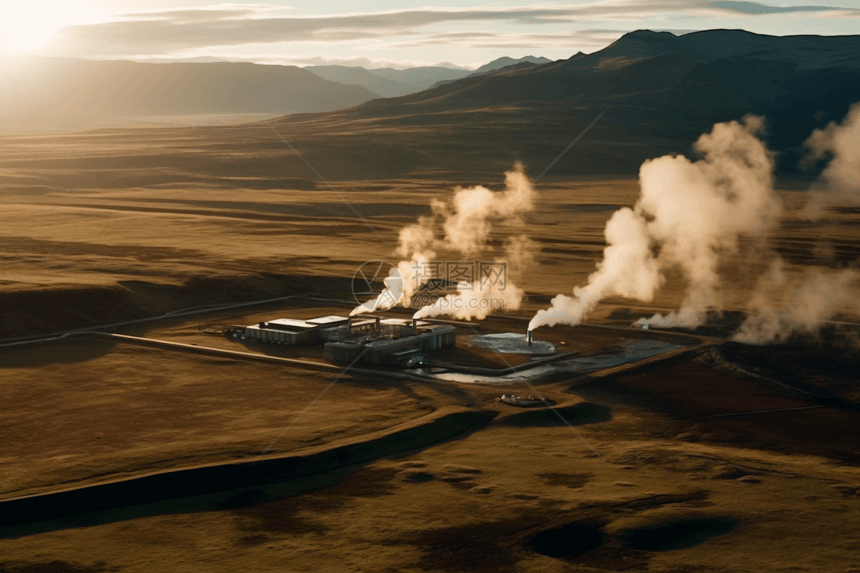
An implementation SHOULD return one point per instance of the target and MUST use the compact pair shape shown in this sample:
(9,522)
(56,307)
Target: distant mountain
(661,92)
(37,90)
(714,45)
(361,77)
(518,65)
(657,92)
(505,62)
(388,82)
(513,67)
(422,77)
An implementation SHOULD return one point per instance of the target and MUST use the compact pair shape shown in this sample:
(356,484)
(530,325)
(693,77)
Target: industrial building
(394,343)
(363,339)
(294,331)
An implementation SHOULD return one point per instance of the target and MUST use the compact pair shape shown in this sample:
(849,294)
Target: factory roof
(410,340)
(297,324)
(294,322)
(403,322)
(327,319)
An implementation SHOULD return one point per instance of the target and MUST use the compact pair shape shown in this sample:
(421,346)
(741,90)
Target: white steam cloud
(840,180)
(474,300)
(479,298)
(688,216)
(691,214)
(460,225)
(785,305)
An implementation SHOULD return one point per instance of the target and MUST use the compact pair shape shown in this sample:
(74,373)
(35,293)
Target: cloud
(176,31)
(576,40)
(739,7)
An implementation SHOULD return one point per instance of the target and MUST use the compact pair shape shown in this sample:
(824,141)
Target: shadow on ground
(577,415)
(223,486)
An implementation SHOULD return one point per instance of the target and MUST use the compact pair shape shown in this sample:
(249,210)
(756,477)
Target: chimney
(529,337)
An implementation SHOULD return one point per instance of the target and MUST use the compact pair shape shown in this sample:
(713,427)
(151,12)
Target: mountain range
(49,93)
(653,92)
(659,92)
(389,82)
(506,62)
(46,94)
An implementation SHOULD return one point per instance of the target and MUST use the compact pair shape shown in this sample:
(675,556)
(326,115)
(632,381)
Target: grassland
(112,226)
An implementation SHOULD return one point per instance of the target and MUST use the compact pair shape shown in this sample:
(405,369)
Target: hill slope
(359,76)
(420,78)
(662,91)
(659,92)
(55,88)
(389,82)
(505,61)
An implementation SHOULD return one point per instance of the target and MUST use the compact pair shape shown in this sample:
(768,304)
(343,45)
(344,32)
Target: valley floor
(724,458)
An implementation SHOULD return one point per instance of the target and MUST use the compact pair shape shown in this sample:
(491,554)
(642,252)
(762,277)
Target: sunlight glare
(28,26)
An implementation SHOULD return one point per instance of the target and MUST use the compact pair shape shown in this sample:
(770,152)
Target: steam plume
(786,305)
(689,214)
(399,285)
(466,217)
(840,180)
(474,300)
(628,269)
(460,225)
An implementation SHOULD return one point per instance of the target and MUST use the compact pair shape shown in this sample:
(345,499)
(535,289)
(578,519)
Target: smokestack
(529,337)
(414,324)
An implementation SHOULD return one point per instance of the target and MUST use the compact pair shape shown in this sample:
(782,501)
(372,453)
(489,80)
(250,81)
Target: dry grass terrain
(651,475)
(133,211)
(776,491)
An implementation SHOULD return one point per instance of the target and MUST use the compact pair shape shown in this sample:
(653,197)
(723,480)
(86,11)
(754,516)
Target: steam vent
(512,343)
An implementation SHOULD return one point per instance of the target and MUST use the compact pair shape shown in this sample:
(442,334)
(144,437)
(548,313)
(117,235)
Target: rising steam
(785,305)
(460,226)
(474,300)
(479,298)
(840,180)
(689,214)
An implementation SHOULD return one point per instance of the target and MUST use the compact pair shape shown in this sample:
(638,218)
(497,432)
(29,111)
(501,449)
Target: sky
(383,33)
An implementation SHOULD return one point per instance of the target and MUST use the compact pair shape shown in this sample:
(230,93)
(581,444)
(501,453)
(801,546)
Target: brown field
(106,227)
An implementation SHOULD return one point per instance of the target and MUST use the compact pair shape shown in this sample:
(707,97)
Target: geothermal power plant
(363,339)
(592,309)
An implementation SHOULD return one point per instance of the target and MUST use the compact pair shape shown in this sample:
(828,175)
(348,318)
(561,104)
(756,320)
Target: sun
(29,26)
